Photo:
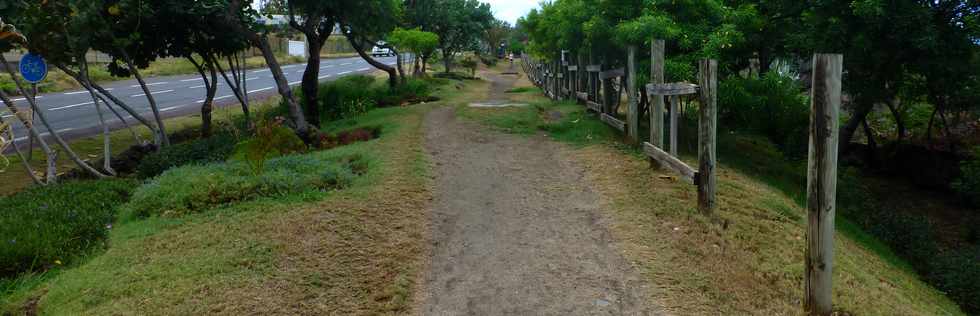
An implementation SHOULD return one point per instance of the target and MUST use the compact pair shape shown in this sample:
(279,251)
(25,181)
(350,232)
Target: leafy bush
(215,148)
(347,97)
(957,273)
(490,61)
(773,105)
(271,139)
(968,185)
(469,63)
(196,188)
(328,141)
(46,226)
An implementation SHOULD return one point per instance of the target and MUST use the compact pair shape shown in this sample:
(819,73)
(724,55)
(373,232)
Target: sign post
(34,70)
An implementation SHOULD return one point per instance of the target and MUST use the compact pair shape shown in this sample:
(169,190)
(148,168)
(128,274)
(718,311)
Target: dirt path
(517,231)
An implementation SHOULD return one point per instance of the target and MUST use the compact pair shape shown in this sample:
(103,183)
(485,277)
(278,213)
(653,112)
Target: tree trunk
(115,100)
(23,159)
(872,144)
(311,83)
(893,106)
(106,140)
(165,139)
(398,65)
(847,132)
(237,85)
(210,88)
(392,73)
(52,171)
(447,60)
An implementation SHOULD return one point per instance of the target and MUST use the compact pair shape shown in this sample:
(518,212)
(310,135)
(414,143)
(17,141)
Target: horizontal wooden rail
(593,106)
(584,96)
(593,68)
(615,73)
(670,89)
(614,122)
(670,162)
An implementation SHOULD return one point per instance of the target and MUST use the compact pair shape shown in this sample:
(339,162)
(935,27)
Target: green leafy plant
(968,185)
(212,149)
(197,188)
(271,139)
(471,64)
(47,226)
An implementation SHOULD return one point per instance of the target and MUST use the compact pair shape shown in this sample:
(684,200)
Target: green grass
(524,90)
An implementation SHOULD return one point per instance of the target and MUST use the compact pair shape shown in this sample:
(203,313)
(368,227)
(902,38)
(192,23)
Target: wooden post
(633,109)
(822,182)
(707,126)
(556,84)
(675,102)
(657,103)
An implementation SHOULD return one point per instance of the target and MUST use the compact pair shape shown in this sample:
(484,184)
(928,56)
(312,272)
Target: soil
(517,229)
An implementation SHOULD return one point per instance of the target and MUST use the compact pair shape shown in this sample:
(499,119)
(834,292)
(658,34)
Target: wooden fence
(600,90)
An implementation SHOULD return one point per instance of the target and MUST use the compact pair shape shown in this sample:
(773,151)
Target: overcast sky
(507,10)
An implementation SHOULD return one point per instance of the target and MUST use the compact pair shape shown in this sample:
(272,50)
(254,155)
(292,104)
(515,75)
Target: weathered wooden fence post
(707,133)
(633,111)
(822,182)
(657,48)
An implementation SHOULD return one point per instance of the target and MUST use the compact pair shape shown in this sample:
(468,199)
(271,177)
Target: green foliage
(271,140)
(351,96)
(418,42)
(957,273)
(460,24)
(206,150)
(489,61)
(968,185)
(471,64)
(52,225)
(773,106)
(197,188)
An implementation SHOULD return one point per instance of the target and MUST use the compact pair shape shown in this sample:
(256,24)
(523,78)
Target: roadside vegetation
(242,226)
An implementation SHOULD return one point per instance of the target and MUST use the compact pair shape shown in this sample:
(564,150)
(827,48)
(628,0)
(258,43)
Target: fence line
(593,86)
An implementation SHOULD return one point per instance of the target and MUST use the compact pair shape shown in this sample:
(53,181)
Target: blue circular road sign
(33,68)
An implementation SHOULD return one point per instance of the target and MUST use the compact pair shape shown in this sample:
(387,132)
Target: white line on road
(70,106)
(258,71)
(189,80)
(327,66)
(253,78)
(169,109)
(301,71)
(257,90)
(222,97)
(364,69)
(290,66)
(346,64)
(196,87)
(294,83)
(76,92)
(343,73)
(324,76)
(22,99)
(150,84)
(153,92)
(65,130)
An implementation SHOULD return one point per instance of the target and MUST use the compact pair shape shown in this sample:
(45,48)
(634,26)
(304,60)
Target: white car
(381,51)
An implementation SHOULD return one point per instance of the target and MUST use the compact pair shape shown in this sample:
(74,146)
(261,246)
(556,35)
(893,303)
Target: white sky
(507,10)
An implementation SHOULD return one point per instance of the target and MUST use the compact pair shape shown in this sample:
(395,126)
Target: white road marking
(327,66)
(222,97)
(65,130)
(290,66)
(364,69)
(253,78)
(6,116)
(257,90)
(343,73)
(70,106)
(22,99)
(20,139)
(346,64)
(149,84)
(258,71)
(324,76)
(294,83)
(300,71)
(196,87)
(169,109)
(189,80)
(76,92)
(152,92)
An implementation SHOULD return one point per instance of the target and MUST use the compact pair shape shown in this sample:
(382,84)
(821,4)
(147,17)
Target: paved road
(73,115)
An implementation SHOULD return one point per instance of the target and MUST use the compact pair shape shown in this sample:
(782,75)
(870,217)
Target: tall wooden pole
(657,48)
(632,111)
(707,134)
(822,182)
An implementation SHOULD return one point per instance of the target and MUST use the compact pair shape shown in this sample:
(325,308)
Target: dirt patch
(517,231)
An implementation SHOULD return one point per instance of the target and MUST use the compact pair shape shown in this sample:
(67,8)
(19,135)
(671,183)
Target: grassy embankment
(352,251)
(751,265)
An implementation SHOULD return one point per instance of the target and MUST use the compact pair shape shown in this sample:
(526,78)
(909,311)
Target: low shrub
(51,225)
(968,184)
(271,139)
(352,96)
(490,61)
(471,64)
(957,273)
(772,105)
(196,188)
(205,150)
(328,141)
